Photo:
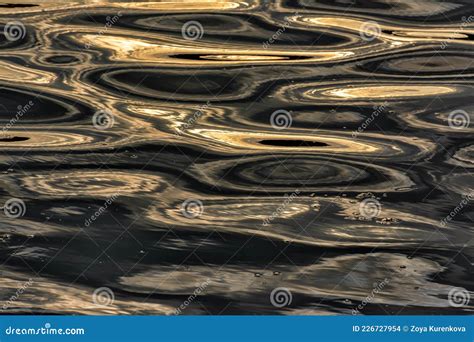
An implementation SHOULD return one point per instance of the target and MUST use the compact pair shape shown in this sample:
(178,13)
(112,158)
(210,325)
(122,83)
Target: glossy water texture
(293,157)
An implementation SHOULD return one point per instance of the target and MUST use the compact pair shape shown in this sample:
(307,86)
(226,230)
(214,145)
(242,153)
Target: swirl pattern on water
(150,149)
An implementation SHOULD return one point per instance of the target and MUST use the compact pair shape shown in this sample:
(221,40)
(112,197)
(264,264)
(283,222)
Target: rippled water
(294,157)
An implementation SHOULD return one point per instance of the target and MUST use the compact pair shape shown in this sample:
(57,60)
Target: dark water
(295,157)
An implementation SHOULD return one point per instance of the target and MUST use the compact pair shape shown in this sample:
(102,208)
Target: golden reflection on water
(150,159)
(390,92)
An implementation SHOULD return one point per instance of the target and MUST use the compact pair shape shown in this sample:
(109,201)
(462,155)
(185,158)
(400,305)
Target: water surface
(251,157)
